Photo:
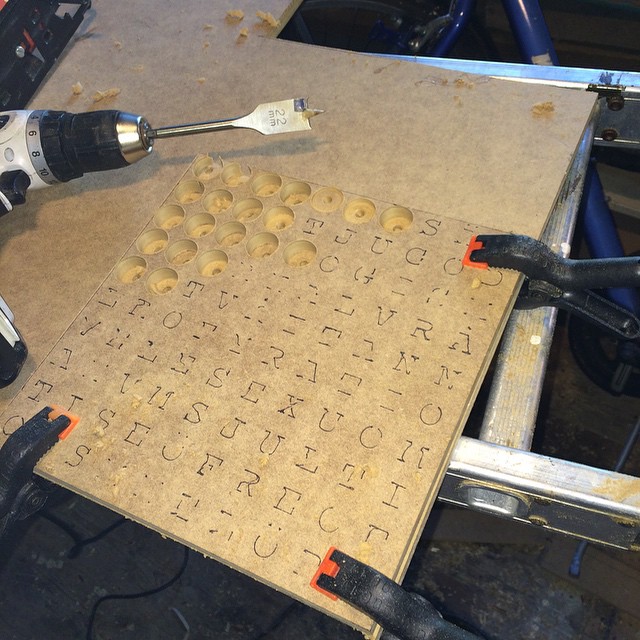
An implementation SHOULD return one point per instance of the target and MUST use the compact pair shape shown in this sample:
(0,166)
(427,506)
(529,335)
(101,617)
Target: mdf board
(466,147)
(273,368)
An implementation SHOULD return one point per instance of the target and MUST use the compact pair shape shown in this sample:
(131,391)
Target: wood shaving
(207,27)
(235,15)
(268,18)
(461,83)
(201,80)
(117,44)
(104,95)
(543,109)
(138,68)
(206,45)
(77,89)
(244,33)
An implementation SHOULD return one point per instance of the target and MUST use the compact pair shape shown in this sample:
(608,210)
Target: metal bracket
(577,500)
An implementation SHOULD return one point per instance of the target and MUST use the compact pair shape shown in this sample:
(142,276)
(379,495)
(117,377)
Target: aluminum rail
(510,416)
(617,124)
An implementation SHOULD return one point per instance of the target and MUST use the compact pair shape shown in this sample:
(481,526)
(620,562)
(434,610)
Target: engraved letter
(250,395)
(144,430)
(193,415)
(248,483)
(287,501)
(209,464)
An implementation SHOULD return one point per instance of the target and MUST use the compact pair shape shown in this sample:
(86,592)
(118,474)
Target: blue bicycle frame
(533,38)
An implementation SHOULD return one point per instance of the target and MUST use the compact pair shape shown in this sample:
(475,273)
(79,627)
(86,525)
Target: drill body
(40,148)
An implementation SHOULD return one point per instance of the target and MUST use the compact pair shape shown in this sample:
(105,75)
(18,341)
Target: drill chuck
(69,145)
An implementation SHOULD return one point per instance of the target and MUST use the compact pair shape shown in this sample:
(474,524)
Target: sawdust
(543,109)
(77,88)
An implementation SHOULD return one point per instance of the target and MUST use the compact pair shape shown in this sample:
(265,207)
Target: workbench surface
(460,152)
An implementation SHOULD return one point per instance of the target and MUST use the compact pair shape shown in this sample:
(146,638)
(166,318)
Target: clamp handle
(20,494)
(408,616)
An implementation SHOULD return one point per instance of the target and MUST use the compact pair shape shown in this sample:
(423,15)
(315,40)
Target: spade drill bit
(268,118)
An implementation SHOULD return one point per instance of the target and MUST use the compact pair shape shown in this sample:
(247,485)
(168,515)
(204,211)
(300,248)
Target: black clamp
(403,615)
(561,282)
(13,350)
(21,493)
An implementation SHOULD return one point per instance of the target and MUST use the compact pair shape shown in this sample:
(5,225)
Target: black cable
(61,524)
(133,596)
(278,621)
(77,548)
(79,542)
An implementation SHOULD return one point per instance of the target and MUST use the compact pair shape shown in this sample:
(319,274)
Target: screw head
(615,102)
(609,134)
(20,51)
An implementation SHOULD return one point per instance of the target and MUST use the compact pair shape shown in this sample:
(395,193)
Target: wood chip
(77,88)
(235,15)
(268,18)
(104,95)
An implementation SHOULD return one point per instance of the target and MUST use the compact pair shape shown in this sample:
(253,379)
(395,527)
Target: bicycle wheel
(371,26)
(611,363)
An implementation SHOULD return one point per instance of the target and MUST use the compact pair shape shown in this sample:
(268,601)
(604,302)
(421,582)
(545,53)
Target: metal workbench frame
(497,473)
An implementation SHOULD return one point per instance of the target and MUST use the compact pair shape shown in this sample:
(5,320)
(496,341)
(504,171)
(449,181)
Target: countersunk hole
(359,210)
(295,193)
(266,184)
(247,209)
(169,216)
(217,201)
(205,169)
(233,175)
(199,225)
(327,199)
(181,252)
(396,219)
(162,280)
(230,234)
(131,269)
(189,191)
(212,262)
(262,245)
(278,218)
(152,241)
(300,253)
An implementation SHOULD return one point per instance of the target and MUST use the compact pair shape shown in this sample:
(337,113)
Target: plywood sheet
(275,367)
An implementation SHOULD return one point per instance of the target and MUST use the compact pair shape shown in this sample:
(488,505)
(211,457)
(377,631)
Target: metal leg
(510,417)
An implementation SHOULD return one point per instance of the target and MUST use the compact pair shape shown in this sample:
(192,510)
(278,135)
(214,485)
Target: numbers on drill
(277,117)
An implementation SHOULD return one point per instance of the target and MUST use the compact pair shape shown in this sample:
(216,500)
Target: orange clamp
(58,411)
(474,244)
(327,567)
